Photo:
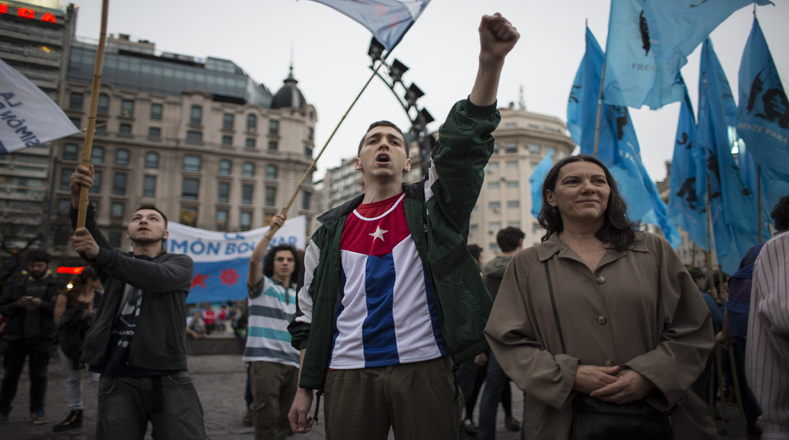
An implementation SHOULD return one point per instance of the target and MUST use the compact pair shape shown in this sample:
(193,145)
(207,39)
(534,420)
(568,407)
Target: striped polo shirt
(271,307)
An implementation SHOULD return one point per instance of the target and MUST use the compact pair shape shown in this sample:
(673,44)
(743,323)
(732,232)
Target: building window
(246,194)
(306,198)
(115,239)
(271,172)
(534,149)
(154,132)
(511,125)
(70,152)
(535,227)
(512,184)
(190,189)
(101,126)
(75,101)
(194,136)
(196,115)
(307,151)
(127,108)
(96,187)
(493,185)
(122,157)
(151,160)
(273,145)
(75,121)
(310,133)
(245,221)
(65,177)
(513,204)
(97,155)
(493,166)
(156,112)
(550,150)
(514,225)
(494,247)
(221,220)
(227,140)
(248,170)
(116,212)
(494,205)
(511,147)
(228,121)
(252,122)
(273,127)
(124,128)
(224,167)
(224,192)
(104,104)
(119,184)
(189,216)
(149,186)
(473,228)
(192,163)
(494,226)
(250,143)
(271,196)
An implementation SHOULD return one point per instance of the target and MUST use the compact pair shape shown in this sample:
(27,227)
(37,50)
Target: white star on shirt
(379,233)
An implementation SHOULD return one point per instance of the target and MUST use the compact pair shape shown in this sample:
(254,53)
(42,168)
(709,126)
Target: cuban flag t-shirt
(388,314)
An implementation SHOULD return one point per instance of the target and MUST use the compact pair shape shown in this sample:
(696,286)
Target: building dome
(289,96)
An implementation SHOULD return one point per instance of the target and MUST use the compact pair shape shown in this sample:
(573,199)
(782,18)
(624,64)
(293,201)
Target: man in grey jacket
(137,342)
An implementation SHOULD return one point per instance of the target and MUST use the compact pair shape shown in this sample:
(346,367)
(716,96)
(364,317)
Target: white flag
(27,116)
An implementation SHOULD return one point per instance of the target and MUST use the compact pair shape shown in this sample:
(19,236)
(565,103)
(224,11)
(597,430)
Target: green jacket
(437,210)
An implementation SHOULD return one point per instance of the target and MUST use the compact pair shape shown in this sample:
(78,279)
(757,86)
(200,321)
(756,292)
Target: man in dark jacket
(29,304)
(137,342)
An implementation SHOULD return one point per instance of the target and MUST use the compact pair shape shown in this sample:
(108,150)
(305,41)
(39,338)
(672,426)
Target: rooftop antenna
(521,102)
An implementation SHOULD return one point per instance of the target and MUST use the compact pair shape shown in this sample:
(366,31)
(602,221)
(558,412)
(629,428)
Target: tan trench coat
(608,318)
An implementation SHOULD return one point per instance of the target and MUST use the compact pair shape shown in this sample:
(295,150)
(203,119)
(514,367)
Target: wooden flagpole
(273,229)
(94,104)
(759,197)
(599,111)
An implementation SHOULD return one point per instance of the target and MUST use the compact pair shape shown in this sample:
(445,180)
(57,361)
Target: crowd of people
(392,319)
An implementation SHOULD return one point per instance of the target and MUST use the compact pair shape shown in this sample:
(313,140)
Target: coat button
(610,363)
(601,320)
(600,280)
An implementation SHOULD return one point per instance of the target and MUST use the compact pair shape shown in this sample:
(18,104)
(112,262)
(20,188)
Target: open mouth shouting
(382,159)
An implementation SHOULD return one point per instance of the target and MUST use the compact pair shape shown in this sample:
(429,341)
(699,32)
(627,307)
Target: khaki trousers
(273,389)
(417,400)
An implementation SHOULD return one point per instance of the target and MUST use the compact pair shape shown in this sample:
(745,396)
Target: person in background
(29,305)
(195,328)
(73,316)
(209,318)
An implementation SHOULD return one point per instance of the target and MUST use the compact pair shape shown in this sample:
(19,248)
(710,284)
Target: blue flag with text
(732,206)
(648,42)
(536,180)
(618,145)
(222,259)
(388,20)
(763,115)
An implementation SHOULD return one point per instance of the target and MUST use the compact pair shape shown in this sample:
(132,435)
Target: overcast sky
(331,61)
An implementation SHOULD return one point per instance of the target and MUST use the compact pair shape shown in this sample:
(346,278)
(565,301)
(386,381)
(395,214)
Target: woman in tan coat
(612,286)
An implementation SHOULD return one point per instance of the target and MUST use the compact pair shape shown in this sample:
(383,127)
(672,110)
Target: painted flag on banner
(618,145)
(27,116)
(732,206)
(536,180)
(763,115)
(687,200)
(649,41)
(222,259)
(388,20)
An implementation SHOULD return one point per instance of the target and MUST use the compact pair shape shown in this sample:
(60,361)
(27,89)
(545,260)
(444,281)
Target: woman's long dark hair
(79,283)
(618,232)
(268,261)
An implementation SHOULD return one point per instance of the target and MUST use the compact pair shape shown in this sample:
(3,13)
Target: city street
(219,380)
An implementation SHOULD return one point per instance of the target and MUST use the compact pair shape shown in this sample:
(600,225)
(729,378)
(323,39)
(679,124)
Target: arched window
(252,122)
(104,104)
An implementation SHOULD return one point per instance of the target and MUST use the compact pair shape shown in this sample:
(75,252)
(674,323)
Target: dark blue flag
(763,115)
(618,145)
(687,205)
(732,206)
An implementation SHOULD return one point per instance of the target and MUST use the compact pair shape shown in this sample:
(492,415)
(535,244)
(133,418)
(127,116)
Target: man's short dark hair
(38,256)
(695,272)
(153,208)
(509,238)
(781,214)
(475,251)
(384,124)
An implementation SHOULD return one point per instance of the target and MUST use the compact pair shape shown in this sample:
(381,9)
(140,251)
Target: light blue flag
(688,181)
(388,20)
(772,189)
(618,145)
(732,206)
(648,42)
(536,180)
(763,115)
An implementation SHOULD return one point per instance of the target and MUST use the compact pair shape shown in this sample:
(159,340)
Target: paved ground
(219,381)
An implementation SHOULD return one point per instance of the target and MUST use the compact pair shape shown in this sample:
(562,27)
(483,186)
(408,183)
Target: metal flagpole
(599,110)
(273,229)
(94,104)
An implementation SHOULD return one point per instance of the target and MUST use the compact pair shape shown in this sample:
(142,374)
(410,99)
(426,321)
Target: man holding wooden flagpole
(390,298)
